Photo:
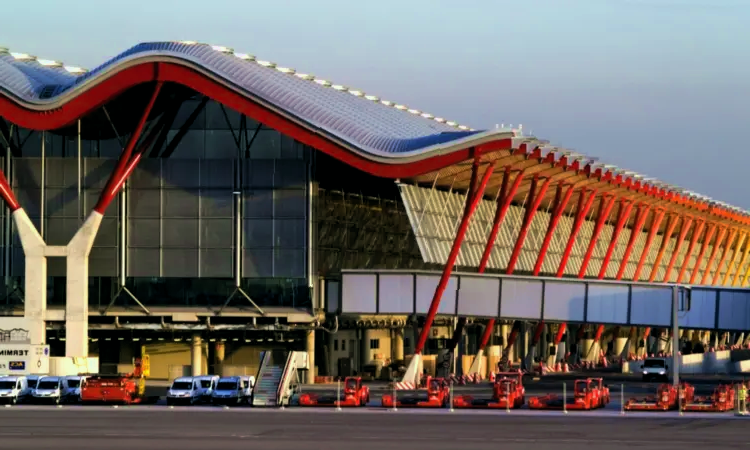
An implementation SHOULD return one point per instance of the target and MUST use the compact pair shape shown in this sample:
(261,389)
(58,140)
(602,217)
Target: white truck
(233,390)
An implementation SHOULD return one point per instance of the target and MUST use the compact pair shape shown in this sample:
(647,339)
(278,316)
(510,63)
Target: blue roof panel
(362,121)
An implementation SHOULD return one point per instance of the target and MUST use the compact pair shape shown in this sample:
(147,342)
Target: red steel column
(704,246)
(503,203)
(655,224)
(714,252)
(735,255)
(671,225)
(6,192)
(623,215)
(605,208)
(584,205)
(455,249)
(560,333)
(724,255)
(687,222)
(635,233)
(535,199)
(561,202)
(117,179)
(699,226)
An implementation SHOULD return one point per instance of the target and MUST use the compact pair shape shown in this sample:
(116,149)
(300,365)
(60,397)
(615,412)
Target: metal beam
(561,202)
(693,240)
(687,222)
(453,256)
(724,254)
(671,225)
(640,220)
(535,199)
(704,246)
(735,255)
(714,252)
(584,205)
(623,216)
(605,208)
(655,224)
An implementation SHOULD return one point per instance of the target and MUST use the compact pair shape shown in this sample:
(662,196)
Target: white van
(655,369)
(72,392)
(14,389)
(185,391)
(207,384)
(50,390)
(248,384)
(232,391)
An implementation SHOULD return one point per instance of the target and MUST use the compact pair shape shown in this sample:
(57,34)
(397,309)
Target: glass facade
(181,209)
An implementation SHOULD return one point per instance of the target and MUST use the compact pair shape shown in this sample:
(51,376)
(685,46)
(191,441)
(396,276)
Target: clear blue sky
(661,87)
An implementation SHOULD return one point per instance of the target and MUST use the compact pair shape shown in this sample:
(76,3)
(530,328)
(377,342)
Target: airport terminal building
(199,204)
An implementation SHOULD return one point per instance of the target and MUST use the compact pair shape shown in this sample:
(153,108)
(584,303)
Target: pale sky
(661,87)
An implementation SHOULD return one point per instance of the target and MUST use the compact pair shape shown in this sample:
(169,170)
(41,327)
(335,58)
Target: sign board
(23,359)
(17,355)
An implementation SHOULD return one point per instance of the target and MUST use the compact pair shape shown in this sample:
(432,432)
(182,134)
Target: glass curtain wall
(181,207)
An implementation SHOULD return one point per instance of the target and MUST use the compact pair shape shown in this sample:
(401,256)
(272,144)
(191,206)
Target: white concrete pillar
(397,345)
(619,346)
(35,277)
(310,349)
(77,287)
(196,355)
(589,350)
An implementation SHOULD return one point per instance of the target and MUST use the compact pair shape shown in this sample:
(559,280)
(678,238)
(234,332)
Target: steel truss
(364,232)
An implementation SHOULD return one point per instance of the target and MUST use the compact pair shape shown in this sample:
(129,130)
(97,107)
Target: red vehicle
(118,389)
(603,391)
(667,398)
(587,395)
(507,393)
(435,396)
(354,394)
(722,400)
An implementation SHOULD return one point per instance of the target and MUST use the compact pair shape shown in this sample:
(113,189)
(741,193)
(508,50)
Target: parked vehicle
(207,386)
(655,369)
(184,391)
(50,389)
(354,394)
(14,389)
(233,390)
(73,392)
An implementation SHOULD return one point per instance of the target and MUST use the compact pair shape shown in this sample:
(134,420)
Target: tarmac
(147,427)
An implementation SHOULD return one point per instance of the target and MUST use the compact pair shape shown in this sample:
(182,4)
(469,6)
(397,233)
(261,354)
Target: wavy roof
(386,138)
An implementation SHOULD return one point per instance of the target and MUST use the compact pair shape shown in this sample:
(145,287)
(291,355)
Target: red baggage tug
(435,396)
(507,393)
(667,398)
(722,400)
(355,394)
(588,394)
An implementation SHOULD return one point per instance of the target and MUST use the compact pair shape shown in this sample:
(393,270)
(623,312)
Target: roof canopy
(375,135)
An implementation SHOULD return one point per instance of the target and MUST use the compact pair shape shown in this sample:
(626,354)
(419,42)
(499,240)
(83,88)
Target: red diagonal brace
(503,203)
(724,255)
(535,199)
(704,246)
(584,205)
(537,333)
(623,215)
(671,225)
(605,208)
(7,193)
(655,224)
(699,226)
(561,202)
(560,333)
(714,252)
(504,200)
(455,249)
(635,232)
(687,222)
(116,180)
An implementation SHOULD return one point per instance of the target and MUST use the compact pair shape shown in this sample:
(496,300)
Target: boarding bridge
(277,377)
(396,292)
